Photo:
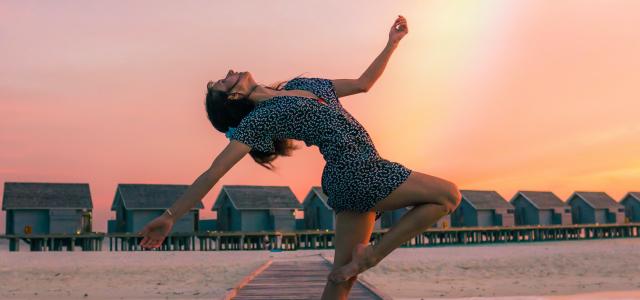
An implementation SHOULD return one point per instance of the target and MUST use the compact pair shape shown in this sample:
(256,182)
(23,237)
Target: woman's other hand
(398,30)
(156,231)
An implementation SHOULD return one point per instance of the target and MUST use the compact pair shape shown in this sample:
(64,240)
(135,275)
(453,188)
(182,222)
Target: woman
(360,184)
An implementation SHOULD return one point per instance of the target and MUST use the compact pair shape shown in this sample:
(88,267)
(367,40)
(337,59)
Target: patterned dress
(354,177)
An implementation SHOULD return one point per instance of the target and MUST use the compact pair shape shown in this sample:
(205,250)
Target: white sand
(527,269)
(123,275)
(524,271)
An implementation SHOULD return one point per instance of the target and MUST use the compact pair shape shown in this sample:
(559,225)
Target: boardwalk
(299,278)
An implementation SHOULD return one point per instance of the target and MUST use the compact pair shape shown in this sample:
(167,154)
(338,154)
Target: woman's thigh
(418,189)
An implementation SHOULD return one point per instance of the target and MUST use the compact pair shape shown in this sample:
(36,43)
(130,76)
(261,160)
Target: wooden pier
(298,278)
(320,239)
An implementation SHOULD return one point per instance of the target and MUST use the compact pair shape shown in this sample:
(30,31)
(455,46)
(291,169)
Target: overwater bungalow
(317,213)
(256,208)
(46,208)
(540,208)
(482,208)
(137,204)
(595,208)
(631,203)
(390,218)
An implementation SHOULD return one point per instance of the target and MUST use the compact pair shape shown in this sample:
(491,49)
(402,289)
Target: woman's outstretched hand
(398,30)
(156,231)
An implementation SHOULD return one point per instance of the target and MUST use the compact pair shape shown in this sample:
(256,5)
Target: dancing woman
(263,121)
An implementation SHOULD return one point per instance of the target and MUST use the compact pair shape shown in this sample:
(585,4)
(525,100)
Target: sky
(491,95)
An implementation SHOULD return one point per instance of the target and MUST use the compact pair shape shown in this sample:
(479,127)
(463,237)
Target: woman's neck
(261,93)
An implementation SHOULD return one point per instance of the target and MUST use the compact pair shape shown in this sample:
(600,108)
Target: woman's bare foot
(362,258)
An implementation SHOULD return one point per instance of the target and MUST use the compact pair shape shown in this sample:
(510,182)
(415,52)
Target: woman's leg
(351,229)
(431,198)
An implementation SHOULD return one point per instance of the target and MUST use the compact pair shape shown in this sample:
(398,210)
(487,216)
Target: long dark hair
(224,113)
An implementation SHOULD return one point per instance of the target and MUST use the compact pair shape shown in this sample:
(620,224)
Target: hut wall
(525,212)
(615,216)
(390,218)
(313,214)
(504,217)
(318,216)
(486,217)
(111,226)
(186,223)
(632,209)
(121,219)
(464,216)
(9,222)
(254,220)
(65,221)
(562,215)
(581,212)
(283,219)
(37,219)
(545,217)
(224,213)
(137,219)
(228,216)
(601,216)
(300,224)
(208,225)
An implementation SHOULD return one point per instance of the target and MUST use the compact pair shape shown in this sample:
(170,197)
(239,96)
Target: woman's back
(329,126)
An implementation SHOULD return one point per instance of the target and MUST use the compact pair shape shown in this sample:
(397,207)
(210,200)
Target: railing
(319,239)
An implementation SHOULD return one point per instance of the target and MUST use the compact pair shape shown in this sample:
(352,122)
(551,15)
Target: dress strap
(323,101)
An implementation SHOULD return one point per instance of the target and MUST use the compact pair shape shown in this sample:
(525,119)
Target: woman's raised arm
(346,87)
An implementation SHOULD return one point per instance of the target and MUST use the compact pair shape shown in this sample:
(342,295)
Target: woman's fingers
(149,243)
(145,242)
(155,244)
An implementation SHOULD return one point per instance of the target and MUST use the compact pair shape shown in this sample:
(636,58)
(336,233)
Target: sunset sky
(492,95)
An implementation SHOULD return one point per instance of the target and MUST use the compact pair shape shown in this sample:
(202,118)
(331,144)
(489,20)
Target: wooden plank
(378,292)
(233,291)
(297,279)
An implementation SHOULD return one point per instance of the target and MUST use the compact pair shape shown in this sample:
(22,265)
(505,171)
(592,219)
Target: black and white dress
(354,177)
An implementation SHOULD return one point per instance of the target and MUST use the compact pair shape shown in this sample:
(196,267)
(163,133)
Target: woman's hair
(224,113)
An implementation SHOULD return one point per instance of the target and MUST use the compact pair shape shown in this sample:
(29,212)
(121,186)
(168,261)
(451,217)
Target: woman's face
(233,82)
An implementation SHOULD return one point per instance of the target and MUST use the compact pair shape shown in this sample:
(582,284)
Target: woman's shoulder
(312,81)
(321,86)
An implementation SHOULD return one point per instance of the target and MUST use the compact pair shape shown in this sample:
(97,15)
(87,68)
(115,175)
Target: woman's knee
(453,196)
(445,192)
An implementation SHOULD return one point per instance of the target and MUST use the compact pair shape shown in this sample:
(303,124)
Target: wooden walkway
(299,278)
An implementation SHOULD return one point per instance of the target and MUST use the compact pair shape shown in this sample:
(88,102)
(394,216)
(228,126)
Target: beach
(538,270)
(501,270)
